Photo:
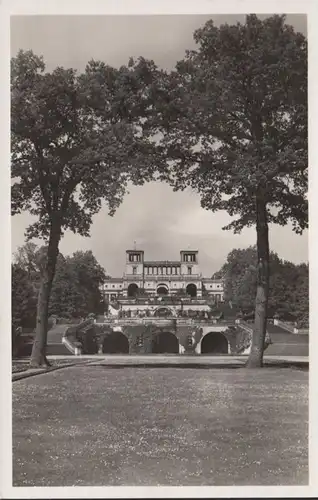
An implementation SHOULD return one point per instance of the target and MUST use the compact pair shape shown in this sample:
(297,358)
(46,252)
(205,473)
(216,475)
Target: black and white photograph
(159,268)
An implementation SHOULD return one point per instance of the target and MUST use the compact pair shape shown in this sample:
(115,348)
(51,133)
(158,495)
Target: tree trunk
(259,332)
(38,356)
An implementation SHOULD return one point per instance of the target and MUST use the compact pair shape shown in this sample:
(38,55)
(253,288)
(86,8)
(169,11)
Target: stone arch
(165,343)
(116,342)
(164,312)
(191,290)
(162,289)
(132,290)
(214,343)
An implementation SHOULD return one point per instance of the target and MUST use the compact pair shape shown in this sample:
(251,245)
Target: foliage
(89,341)
(23,305)
(75,290)
(288,284)
(31,258)
(243,340)
(234,119)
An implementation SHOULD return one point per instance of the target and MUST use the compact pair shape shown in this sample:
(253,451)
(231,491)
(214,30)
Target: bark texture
(259,331)
(38,356)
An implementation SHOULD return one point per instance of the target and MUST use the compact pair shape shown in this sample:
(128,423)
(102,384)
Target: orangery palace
(162,278)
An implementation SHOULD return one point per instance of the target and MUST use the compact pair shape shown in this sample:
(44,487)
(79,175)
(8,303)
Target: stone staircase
(284,342)
(55,344)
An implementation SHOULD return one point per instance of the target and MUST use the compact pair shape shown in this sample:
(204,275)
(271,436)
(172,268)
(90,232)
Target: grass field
(95,425)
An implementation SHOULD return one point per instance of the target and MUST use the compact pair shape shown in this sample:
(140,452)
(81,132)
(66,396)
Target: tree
(31,258)
(76,286)
(66,159)
(233,124)
(288,284)
(26,257)
(23,304)
(65,294)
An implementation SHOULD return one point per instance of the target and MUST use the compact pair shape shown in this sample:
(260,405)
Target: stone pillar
(197,350)
(181,349)
(100,343)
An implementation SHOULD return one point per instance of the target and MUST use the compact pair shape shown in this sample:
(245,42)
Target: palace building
(162,278)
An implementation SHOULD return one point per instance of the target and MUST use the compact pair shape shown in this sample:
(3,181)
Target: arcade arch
(165,343)
(191,290)
(132,290)
(162,289)
(116,343)
(164,312)
(214,343)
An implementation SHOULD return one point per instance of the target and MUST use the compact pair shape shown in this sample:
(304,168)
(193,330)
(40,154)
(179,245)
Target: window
(190,340)
(134,270)
(189,270)
(113,286)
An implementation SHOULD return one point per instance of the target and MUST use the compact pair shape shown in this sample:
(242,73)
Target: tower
(134,262)
(189,262)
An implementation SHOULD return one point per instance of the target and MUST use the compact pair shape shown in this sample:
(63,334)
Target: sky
(160,221)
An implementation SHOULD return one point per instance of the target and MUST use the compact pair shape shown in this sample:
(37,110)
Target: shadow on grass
(165,365)
(298,366)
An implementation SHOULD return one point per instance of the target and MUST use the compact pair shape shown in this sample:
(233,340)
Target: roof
(135,250)
(113,280)
(162,263)
(213,280)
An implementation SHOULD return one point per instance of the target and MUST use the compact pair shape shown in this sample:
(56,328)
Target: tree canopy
(233,118)
(67,158)
(75,289)
(76,286)
(23,303)
(288,284)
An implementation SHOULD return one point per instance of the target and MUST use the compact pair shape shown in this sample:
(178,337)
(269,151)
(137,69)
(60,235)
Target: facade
(162,278)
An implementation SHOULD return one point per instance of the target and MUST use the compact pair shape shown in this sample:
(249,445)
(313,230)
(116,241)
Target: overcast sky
(160,221)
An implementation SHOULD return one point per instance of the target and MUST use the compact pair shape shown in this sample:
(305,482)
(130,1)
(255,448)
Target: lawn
(95,425)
